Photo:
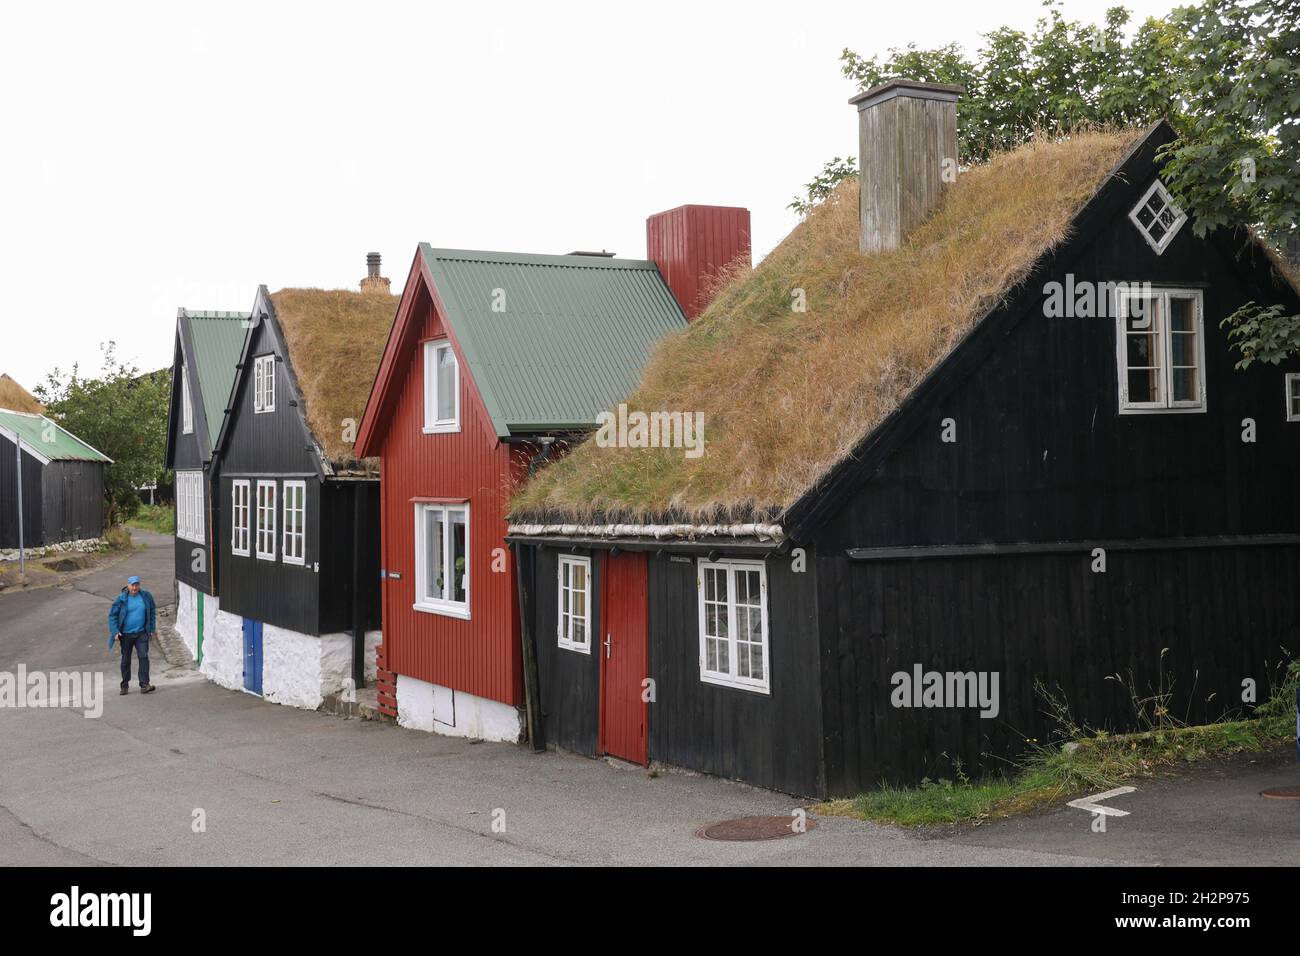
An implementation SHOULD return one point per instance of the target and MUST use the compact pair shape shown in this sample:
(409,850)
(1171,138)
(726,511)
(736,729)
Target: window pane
(1143,385)
(458,556)
(433,546)
(446,384)
(579,631)
(1185,385)
(1182,314)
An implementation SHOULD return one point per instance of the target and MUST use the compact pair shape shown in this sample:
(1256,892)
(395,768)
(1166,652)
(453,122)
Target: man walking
(131,620)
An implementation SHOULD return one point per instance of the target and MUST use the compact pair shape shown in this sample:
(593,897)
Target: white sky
(160,155)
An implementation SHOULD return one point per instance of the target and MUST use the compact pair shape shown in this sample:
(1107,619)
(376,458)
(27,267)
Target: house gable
(1038,448)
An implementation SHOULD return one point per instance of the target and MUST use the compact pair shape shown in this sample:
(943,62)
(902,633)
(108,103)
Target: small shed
(62,482)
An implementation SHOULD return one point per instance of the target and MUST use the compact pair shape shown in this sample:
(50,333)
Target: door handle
(609,644)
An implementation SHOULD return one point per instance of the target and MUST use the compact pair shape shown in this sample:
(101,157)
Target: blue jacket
(117,613)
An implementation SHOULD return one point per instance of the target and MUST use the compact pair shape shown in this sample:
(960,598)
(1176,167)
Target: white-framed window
(239,496)
(187,408)
(1157,217)
(293,544)
(264,383)
(574,628)
(189,505)
(1160,349)
(441,388)
(266,520)
(1293,396)
(733,624)
(442,558)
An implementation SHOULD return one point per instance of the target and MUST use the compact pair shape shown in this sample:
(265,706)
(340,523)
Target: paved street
(281,786)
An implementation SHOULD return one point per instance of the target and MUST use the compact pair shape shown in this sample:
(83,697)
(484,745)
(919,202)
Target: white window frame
(731,678)
(565,619)
(265,532)
(188,491)
(240,512)
(443,606)
(293,542)
(264,384)
(433,424)
(187,407)
(1158,188)
(1292,387)
(1133,290)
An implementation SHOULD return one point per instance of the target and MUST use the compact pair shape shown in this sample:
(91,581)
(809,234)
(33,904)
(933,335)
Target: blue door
(253,656)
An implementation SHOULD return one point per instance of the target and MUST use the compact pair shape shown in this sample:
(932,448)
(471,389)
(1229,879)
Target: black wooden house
(299,555)
(1043,497)
(205,354)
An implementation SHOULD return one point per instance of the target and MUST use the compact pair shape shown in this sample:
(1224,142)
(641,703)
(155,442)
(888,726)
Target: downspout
(524,580)
(548,443)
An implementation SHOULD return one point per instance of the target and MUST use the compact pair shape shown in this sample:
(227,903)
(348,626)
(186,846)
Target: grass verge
(158,518)
(1092,761)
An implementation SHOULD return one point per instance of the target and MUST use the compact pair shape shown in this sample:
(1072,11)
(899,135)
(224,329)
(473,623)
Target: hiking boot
(125,690)
(147,688)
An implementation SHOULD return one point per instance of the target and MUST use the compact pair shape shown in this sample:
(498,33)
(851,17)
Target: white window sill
(1162,410)
(441,428)
(577,648)
(266,557)
(239,554)
(460,611)
(720,681)
(298,562)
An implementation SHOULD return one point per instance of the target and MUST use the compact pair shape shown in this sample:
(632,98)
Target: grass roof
(786,395)
(335,339)
(16,398)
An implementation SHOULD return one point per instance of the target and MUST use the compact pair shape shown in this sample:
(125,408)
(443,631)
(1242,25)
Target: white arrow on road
(1093,804)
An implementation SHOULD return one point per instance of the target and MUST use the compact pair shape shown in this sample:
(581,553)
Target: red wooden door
(625,657)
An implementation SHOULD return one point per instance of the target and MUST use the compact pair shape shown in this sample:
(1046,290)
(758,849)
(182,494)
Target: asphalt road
(273,785)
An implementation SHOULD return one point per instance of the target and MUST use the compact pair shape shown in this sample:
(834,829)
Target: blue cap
(133,579)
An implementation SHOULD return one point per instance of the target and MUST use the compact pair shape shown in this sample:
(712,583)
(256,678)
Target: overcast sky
(169,155)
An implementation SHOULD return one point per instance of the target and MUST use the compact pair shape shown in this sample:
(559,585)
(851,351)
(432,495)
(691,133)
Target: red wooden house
(496,363)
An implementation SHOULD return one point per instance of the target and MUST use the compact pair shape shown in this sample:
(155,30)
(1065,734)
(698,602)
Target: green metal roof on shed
(552,340)
(47,437)
(218,339)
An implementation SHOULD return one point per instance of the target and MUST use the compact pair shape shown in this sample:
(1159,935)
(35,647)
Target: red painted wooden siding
(625,662)
(690,244)
(481,655)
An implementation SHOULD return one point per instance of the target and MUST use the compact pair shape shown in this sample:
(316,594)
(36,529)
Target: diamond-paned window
(1157,217)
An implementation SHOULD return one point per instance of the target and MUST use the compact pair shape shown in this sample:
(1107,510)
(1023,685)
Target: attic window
(1293,397)
(1157,217)
(1160,349)
(264,383)
(441,388)
(187,408)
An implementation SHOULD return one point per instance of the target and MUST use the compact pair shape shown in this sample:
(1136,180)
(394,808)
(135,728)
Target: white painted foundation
(223,647)
(441,710)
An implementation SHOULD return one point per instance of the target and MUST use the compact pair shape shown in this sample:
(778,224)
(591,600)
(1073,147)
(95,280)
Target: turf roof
(334,339)
(16,398)
(787,395)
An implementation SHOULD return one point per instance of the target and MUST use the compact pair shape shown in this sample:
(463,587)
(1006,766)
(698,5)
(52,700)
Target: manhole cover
(1282,793)
(756,828)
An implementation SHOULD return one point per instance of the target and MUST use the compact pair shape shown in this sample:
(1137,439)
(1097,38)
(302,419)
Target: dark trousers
(139,642)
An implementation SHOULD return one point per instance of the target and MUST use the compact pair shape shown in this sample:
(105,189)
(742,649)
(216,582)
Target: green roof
(552,341)
(47,438)
(218,339)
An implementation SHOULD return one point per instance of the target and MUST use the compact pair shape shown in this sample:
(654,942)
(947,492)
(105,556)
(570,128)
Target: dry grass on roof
(787,395)
(335,339)
(16,398)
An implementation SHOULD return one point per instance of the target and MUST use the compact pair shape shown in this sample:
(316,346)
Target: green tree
(121,412)
(1237,160)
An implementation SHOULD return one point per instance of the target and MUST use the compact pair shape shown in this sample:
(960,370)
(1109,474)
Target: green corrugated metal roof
(571,341)
(218,339)
(44,435)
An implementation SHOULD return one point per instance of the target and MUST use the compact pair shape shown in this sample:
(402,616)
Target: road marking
(1092,804)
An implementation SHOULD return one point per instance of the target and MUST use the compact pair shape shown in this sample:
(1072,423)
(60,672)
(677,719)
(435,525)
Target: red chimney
(692,244)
